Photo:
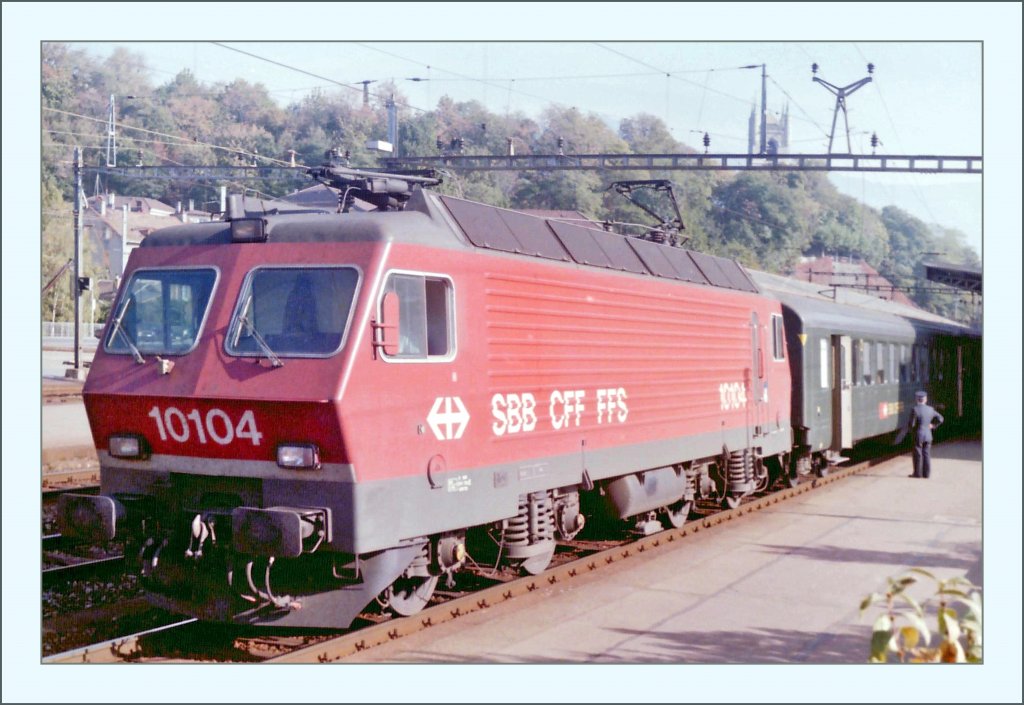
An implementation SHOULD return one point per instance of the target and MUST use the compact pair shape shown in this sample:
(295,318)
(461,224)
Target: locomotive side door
(758,375)
(842,392)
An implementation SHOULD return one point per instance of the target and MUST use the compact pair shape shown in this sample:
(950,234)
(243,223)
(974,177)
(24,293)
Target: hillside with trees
(765,220)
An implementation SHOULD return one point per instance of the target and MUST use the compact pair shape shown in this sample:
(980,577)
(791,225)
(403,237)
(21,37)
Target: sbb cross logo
(448,418)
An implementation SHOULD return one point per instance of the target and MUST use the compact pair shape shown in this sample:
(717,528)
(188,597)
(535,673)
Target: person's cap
(921,395)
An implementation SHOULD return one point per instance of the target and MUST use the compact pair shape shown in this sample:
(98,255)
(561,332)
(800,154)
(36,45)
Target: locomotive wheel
(675,515)
(535,565)
(407,596)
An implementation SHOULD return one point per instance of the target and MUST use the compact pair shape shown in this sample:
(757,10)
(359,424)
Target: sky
(924,98)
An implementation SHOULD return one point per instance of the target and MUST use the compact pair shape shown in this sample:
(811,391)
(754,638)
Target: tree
(759,222)
(56,249)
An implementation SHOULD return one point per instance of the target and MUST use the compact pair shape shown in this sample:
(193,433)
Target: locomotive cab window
(425,316)
(161,312)
(778,342)
(293,312)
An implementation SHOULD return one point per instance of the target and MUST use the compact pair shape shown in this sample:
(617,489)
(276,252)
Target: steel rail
(99,569)
(51,493)
(90,475)
(113,650)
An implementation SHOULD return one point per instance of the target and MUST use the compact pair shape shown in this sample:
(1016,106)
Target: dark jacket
(923,419)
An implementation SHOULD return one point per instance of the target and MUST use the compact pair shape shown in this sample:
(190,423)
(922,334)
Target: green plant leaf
(969,624)
(869,600)
(924,572)
(952,591)
(910,637)
(972,607)
(918,624)
(880,637)
(952,652)
(951,626)
(960,580)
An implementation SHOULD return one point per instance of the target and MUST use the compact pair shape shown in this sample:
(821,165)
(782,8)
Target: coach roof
(852,311)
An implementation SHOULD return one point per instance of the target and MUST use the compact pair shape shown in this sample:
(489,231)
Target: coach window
(426,313)
(857,362)
(923,358)
(823,359)
(893,364)
(904,367)
(863,373)
(880,354)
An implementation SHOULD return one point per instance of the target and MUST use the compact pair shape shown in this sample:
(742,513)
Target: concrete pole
(392,122)
(125,245)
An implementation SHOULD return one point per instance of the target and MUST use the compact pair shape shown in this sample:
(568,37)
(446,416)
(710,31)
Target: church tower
(776,133)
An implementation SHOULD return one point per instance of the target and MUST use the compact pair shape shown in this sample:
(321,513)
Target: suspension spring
(740,472)
(542,517)
(517,529)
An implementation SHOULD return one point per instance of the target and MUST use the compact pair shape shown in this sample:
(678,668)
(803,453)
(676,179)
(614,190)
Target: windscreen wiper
(243,318)
(124,334)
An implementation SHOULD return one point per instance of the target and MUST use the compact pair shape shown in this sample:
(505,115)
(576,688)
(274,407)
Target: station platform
(783,586)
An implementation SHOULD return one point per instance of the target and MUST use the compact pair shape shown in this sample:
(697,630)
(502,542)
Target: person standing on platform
(923,420)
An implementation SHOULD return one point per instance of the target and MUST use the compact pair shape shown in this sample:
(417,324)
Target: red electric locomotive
(299,412)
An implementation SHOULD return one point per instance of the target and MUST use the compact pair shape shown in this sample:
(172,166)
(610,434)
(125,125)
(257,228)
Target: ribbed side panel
(670,352)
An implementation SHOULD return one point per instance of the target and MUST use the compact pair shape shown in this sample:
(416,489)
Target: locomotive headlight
(302,456)
(127,446)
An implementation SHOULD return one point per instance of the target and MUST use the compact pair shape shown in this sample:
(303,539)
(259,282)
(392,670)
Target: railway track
(99,569)
(61,392)
(53,493)
(81,473)
(117,650)
(482,590)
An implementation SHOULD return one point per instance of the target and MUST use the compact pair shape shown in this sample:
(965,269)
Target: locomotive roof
(443,221)
(418,224)
(853,311)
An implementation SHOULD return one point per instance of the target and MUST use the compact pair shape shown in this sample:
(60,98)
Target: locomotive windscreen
(161,311)
(296,311)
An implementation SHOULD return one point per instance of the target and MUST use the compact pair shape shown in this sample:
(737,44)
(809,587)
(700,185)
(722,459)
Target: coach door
(959,380)
(842,392)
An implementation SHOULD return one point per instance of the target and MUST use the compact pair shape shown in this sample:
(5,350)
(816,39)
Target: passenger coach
(857,362)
